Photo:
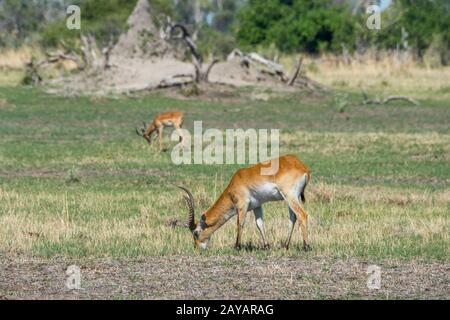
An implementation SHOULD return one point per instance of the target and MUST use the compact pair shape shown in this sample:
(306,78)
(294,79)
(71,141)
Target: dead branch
(32,75)
(185,35)
(272,68)
(276,70)
(296,72)
(179,31)
(408,99)
(85,51)
(175,81)
(106,51)
(367,100)
(365,95)
(54,57)
(93,58)
(245,61)
(208,69)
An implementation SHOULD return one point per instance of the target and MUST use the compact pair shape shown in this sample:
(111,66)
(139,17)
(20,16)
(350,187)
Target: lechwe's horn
(190,202)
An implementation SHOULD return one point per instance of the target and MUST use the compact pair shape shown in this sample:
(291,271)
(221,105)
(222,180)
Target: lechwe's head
(141,132)
(194,226)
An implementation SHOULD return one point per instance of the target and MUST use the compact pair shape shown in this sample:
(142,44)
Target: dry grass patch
(343,221)
(387,73)
(328,193)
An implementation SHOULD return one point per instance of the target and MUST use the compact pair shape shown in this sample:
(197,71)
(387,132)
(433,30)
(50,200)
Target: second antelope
(248,190)
(165,119)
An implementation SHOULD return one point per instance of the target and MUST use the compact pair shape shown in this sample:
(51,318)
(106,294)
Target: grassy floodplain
(75,180)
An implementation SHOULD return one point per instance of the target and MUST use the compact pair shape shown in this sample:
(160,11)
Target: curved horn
(190,202)
(137,132)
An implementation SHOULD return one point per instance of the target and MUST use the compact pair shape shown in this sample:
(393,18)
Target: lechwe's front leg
(241,214)
(260,224)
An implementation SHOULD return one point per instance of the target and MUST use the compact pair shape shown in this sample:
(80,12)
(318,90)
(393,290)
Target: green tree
(294,25)
(19,17)
(102,18)
(224,15)
(423,19)
(424,23)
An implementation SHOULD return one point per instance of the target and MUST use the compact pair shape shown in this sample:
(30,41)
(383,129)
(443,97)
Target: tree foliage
(296,25)
(18,18)
(102,18)
(326,25)
(288,25)
(423,20)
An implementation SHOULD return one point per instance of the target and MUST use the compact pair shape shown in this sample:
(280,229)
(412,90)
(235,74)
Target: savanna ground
(77,186)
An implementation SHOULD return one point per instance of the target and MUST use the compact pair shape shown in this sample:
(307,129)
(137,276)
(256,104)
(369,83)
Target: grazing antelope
(248,190)
(165,119)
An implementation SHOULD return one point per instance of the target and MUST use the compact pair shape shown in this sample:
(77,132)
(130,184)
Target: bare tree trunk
(197,59)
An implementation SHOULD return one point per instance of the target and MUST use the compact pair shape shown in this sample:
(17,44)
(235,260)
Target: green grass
(76,180)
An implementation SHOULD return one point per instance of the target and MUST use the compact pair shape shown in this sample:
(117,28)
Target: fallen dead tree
(377,100)
(89,58)
(276,70)
(178,80)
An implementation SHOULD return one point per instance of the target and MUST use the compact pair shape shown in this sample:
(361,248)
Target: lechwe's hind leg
(291,196)
(292,219)
(260,224)
(301,214)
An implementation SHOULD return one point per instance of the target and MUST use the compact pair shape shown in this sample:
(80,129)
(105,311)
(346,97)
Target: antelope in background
(247,191)
(165,119)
